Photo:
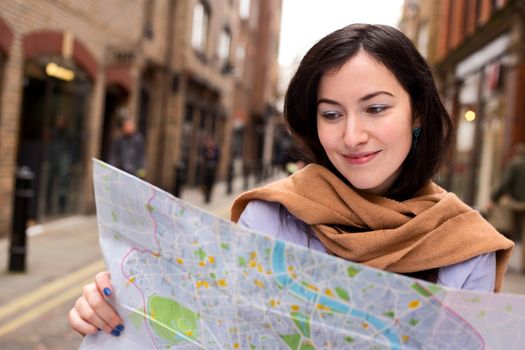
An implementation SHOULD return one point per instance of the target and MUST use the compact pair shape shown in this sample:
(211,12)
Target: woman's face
(364,122)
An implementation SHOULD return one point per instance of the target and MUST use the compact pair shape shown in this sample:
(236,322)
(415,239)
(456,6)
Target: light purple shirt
(477,273)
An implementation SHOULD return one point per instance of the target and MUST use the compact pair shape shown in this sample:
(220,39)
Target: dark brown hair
(395,51)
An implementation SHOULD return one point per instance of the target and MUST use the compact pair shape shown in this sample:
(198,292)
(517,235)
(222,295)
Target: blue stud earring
(415,135)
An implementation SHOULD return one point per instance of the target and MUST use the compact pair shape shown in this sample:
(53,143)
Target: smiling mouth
(362,158)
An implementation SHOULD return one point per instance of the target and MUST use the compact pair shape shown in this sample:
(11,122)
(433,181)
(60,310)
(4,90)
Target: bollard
(258,171)
(246,174)
(22,206)
(229,179)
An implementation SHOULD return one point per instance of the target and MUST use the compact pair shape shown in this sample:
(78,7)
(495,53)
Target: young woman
(365,107)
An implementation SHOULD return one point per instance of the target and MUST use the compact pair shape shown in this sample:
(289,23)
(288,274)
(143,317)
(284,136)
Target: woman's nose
(356,132)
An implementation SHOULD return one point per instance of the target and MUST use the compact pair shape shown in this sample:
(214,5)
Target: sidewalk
(51,254)
(514,280)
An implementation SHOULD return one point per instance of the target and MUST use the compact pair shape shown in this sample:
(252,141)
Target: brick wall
(459,19)
(163,59)
(37,27)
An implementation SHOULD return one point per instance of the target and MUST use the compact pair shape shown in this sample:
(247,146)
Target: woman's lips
(360,158)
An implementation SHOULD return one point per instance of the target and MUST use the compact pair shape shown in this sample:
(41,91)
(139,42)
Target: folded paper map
(185,279)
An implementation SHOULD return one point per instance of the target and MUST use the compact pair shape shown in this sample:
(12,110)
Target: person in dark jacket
(513,185)
(61,149)
(127,150)
(210,155)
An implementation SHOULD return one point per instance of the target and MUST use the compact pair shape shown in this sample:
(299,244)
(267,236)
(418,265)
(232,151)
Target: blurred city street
(191,95)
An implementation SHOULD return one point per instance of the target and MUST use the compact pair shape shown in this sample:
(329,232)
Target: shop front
(53,133)
(482,110)
(203,120)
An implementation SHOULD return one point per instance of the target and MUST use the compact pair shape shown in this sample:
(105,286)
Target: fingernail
(115,333)
(107,292)
(120,327)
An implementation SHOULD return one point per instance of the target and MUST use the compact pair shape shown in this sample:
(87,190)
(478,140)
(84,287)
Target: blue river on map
(280,270)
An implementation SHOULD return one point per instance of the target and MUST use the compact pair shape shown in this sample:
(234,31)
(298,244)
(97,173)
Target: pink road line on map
(469,325)
(128,278)
(145,251)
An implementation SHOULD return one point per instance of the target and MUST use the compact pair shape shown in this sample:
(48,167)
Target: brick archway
(119,75)
(50,42)
(6,37)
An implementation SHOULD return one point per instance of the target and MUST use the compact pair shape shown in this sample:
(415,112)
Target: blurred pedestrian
(60,157)
(127,150)
(512,188)
(210,155)
(365,106)
(246,172)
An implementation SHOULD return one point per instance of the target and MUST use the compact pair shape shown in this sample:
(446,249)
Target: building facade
(420,22)
(56,68)
(479,63)
(256,116)
(69,71)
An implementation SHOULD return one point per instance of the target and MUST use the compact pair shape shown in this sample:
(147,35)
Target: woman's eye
(330,115)
(376,109)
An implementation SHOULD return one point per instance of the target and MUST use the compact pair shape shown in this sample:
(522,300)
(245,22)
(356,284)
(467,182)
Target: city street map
(185,279)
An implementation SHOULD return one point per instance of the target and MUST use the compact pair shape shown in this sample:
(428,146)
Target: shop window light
(62,73)
(470,115)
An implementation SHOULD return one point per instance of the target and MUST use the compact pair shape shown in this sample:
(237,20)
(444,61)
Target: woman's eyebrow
(362,99)
(374,94)
(328,101)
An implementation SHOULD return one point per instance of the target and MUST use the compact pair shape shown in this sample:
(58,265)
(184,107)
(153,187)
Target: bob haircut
(395,51)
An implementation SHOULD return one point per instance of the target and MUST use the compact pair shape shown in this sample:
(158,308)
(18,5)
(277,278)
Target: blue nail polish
(119,328)
(115,333)
(107,292)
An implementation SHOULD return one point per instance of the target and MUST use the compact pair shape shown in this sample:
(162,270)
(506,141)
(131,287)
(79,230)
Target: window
(223,49)
(496,5)
(478,12)
(422,40)
(240,54)
(201,19)
(147,31)
(244,8)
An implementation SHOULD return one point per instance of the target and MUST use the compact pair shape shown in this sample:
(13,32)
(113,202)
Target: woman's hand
(92,312)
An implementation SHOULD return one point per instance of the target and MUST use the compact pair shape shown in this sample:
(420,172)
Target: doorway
(52,136)
(115,101)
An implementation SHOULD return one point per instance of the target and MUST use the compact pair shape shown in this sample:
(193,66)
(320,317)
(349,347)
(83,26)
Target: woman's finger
(97,303)
(78,323)
(103,282)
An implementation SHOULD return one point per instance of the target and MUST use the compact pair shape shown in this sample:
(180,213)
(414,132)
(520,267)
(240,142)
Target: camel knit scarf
(431,230)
